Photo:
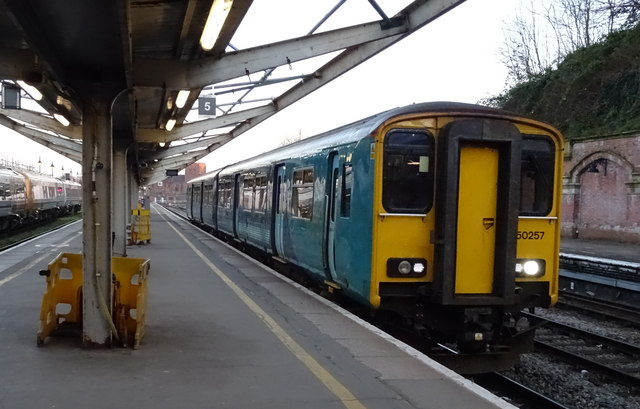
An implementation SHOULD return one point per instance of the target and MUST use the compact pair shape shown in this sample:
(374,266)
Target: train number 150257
(530,235)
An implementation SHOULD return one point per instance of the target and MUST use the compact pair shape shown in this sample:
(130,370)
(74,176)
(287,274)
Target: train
(442,215)
(27,197)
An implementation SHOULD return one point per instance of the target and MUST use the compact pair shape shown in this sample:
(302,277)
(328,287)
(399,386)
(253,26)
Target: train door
(214,204)
(197,202)
(477,199)
(236,195)
(189,201)
(201,202)
(332,203)
(279,192)
(477,211)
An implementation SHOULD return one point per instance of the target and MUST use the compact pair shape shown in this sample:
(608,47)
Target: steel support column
(120,201)
(134,187)
(96,224)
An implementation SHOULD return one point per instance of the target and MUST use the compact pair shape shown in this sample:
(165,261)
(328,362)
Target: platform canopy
(152,60)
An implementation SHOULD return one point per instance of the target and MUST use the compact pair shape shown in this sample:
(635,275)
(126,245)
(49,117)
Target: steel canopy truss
(150,50)
(63,146)
(356,44)
(43,122)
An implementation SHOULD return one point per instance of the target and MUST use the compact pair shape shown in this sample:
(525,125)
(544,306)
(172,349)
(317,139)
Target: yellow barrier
(64,292)
(62,301)
(130,298)
(140,226)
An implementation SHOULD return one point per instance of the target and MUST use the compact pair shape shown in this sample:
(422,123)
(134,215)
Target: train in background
(27,197)
(443,215)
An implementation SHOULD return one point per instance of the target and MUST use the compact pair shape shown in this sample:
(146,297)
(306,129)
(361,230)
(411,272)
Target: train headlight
(530,268)
(406,267)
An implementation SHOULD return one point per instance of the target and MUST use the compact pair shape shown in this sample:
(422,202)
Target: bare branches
(545,32)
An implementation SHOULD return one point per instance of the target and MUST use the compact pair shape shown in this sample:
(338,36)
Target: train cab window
(536,177)
(407,185)
(347,184)
(302,193)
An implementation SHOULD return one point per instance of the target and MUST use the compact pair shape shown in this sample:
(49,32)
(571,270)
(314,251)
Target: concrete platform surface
(222,332)
(601,249)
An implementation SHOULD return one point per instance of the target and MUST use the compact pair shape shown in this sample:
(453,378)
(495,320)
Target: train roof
(354,132)
(33,175)
(8,172)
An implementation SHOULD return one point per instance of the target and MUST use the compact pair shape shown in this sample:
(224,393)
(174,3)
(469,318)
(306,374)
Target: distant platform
(601,249)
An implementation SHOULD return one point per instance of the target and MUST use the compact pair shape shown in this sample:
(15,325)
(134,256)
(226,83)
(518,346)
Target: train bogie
(445,214)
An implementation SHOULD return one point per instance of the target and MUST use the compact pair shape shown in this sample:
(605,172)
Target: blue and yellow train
(444,213)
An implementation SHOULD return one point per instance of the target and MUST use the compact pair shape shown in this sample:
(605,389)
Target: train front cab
(466,224)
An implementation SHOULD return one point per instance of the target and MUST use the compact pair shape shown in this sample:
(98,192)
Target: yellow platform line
(32,264)
(337,388)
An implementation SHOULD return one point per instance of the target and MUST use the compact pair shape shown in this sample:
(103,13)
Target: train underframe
(24,219)
(471,339)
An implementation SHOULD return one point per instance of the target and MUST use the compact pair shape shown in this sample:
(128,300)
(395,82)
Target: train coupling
(478,330)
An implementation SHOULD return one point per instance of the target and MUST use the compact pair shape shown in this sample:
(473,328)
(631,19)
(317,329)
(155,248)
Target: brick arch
(600,202)
(583,165)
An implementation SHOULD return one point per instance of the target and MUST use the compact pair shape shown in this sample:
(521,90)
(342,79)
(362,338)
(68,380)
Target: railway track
(607,309)
(517,393)
(8,241)
(616,360)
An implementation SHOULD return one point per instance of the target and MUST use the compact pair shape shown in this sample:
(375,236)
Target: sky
(454,58)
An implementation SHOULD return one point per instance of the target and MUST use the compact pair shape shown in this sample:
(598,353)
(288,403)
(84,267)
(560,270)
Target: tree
(544,33)
(291,139)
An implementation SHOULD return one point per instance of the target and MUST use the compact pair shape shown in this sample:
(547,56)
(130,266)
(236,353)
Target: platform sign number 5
(207,106)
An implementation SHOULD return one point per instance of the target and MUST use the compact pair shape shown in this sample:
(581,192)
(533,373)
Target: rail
(611,357)
(523,395)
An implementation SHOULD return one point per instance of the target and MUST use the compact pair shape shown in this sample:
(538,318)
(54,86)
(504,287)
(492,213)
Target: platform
(601,249)
(222,332)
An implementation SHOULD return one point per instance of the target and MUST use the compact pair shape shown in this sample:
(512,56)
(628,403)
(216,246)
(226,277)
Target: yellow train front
(466,224)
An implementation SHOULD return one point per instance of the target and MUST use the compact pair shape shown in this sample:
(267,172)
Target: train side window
(220,193)
(259,203)
(536,175)
(407,177)
(224,194)
(302,193)
(347,184)
(228,188)
(208,195)
(247,192)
